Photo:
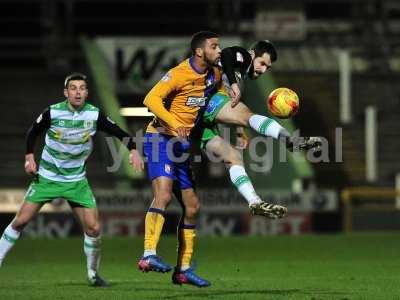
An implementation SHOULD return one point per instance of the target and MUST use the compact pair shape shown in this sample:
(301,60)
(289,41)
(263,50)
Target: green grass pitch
(356,266)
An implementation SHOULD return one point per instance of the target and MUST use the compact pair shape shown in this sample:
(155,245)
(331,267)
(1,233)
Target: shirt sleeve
(228,61)
(155,98)
(235,59)
(107,125)
(41,124)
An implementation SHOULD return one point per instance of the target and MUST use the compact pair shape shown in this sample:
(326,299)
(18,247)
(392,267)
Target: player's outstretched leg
(237,173)
(269,127)
(257,206)
(243,116)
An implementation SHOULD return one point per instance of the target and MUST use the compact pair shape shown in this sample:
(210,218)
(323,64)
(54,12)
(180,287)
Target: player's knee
(163,197)
(19,223)
(244,121)
(244,117)
(19,226)
(233,158)
(192,210)
(93,229)
(236,158)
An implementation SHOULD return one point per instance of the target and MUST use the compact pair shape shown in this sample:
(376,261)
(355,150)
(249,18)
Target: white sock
(92,251)
(267,126)
(184,268)
(242,182)
(149,252)
(7,241)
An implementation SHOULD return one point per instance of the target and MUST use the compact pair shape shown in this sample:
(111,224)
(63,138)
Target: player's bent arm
(156,106)
(30,164)
(228,64)
(232,59)
(41,124)
(107,125)
(154,99)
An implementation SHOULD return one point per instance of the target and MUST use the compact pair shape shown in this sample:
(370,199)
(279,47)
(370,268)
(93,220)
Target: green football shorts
(210,127)
(44,190)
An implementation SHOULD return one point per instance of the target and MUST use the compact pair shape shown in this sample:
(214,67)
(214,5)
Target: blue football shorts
(169,157)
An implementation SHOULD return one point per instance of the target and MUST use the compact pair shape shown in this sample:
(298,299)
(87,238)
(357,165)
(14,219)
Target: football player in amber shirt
(177,101)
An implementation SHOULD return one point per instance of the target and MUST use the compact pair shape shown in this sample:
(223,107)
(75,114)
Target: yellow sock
(186,237)
(153,226)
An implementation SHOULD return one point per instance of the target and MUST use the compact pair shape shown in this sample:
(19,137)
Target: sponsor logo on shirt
(63,134)
(196,101)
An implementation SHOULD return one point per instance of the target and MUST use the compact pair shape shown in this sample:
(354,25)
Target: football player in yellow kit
(178,101)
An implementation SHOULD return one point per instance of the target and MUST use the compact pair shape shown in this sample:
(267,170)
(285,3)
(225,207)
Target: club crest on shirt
(168,169)
(88,124)
(209,82)
(239,57)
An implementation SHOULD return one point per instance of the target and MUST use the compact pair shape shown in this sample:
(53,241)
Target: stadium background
(341,57)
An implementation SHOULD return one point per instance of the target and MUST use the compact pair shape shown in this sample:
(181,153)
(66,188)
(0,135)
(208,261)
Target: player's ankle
(91,273)
(255,201)
(149,252)
(184,268)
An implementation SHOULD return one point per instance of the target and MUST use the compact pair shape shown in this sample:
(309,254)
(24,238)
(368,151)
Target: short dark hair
(265,46)
(199,38)
(75,76)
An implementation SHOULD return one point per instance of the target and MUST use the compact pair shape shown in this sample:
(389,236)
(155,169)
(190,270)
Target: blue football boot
(188,277)
(153,263)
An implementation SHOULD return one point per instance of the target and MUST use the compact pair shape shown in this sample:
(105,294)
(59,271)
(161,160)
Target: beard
(210,62)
